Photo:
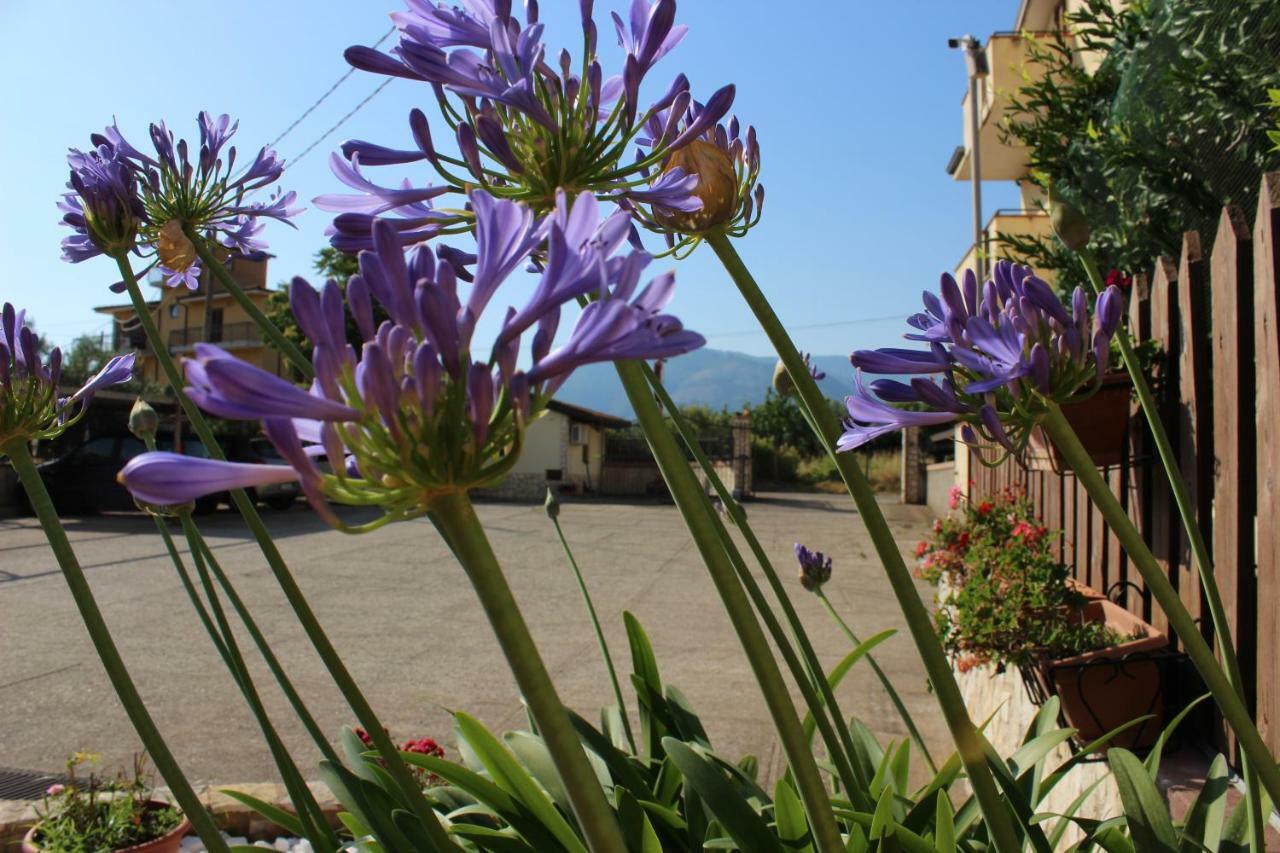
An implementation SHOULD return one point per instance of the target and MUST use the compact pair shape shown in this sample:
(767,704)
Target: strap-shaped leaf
(1157,751)
(281,818)
(840,670)
(622,768)
(788,816)
(1144,808)
(944,828)
(644,669)
(640,835)
(1203,828)
(497,841)
(731,810)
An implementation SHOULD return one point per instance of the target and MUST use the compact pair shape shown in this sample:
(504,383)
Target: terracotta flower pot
(1104,689)
(1101,422)
(170,842)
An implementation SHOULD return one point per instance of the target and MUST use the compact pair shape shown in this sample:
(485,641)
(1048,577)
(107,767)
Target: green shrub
(92,814)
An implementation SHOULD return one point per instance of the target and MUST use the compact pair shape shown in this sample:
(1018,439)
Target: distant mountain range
(710,377)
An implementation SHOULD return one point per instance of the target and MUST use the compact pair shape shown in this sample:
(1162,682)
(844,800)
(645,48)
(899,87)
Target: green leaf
(507,774)
(944,828)
(644,672)
(729,807)
(623,769)
(534,755)
(841,669)
(1157,751)
(281,818)
(636,829)
(498,841)
(1147,816)
(1203,827)
(368,804)
(882,820)
(788,814)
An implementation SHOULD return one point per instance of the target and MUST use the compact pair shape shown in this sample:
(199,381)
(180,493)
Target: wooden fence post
(1266,290)
(1164,513)
(1234,427)
(1194,413)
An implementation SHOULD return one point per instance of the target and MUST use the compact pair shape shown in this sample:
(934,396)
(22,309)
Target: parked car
(84,480)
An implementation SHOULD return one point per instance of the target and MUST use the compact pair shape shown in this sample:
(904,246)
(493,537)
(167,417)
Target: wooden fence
(1217,321)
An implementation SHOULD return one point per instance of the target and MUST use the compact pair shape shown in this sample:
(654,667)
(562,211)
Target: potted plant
(116,815)
(1101,421)
(1005,600)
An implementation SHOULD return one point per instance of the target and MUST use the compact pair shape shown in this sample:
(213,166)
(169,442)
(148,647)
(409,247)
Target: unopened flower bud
(815,568)
(175,250)
(782,380)
(551,505)
(717,187)
(143,420)
(1068,223)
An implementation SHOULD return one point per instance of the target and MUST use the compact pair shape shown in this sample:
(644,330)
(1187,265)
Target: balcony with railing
(228,336)
(1003,224)
(1011,67)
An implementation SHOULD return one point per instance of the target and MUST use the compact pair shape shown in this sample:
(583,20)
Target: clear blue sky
(857,105)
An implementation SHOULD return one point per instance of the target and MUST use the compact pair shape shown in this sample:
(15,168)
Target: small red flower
(984,509)
(1119,279)
(921,547)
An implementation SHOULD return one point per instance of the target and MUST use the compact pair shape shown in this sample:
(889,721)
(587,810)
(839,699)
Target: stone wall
(518,487)
(987,693)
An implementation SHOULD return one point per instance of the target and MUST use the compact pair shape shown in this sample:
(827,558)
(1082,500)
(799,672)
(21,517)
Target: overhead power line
(320,100)
(339,123)
(744,332)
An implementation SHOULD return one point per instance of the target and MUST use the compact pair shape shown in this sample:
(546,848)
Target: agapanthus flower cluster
(815,568)
(415,414)
(122,199)
(525,127)
(1002,353)
(30,406)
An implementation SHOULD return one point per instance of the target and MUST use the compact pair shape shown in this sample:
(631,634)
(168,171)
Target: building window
(215,326)
(174,311)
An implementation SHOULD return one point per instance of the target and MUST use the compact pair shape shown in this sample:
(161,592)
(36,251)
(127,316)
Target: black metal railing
(228,333)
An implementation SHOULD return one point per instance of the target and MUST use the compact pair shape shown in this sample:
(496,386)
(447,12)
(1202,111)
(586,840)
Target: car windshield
(191,446)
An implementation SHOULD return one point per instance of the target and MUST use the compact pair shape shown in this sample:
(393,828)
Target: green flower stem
(1199,550)
(969,742)
(395,765)
(700,519)
(456,520)
(287,347)
(308,810)
(838,739)
(898,704)
(1229,701)
(600,640)
(118,674)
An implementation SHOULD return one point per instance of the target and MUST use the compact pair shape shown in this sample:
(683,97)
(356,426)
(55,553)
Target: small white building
(563,449)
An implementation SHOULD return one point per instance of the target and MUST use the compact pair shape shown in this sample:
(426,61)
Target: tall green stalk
(308,810)
(105,646)
(699,517)
(1199,550)
(600,640)
(387,750)
(287,347)
(456,520)
(809,676)
(969,742)
(1229,701)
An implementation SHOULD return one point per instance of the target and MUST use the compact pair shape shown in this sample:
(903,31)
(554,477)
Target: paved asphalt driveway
(406,622)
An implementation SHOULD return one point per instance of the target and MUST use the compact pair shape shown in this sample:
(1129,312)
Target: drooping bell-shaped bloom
(30,406)
(525,124)
(181,187)
(1002,353)
(412,414)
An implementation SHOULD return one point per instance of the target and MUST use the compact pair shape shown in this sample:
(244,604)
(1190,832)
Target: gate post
(913,467)
(742,480)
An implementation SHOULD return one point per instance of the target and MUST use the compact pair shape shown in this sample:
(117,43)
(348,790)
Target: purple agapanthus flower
(523,122)
(31,407)
(200,189)
(103,207)
(1002,352)
(412,413)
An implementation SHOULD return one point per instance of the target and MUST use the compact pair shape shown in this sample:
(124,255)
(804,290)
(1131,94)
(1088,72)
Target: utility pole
(975,60)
